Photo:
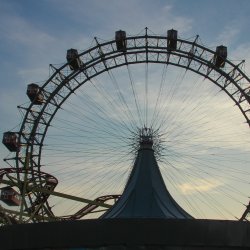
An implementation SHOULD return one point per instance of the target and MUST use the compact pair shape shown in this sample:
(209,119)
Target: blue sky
(37,33)
(34,34)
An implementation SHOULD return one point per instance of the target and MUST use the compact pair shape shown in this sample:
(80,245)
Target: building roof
(145,194)
(122,234)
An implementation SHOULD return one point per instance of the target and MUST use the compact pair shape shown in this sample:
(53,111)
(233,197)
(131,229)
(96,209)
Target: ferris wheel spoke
(113,105)
(146,96)
(192,161)
(211,164)
(138,109)
(122,98)
(85,115)
(164,112)
(159,94)
(208,200)
(191,201)
(109,107)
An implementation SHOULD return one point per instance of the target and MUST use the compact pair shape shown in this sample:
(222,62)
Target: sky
(35,34)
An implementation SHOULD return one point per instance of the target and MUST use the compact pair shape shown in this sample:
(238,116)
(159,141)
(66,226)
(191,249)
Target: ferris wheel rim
(101,59)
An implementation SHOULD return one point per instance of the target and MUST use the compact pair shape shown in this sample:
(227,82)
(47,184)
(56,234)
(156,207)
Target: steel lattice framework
(102,57)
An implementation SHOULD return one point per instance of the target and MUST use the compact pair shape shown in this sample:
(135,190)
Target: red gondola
(10,196)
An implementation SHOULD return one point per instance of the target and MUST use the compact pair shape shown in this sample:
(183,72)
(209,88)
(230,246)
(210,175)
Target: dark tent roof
(145,195)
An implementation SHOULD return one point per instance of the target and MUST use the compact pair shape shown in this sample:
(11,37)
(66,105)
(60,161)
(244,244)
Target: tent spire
(145,194)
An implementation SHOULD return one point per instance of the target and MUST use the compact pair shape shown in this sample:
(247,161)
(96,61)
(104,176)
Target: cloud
(30,44)
(240,53)
(200,186)
(29,75)
(34,45)
(230,33)
(132,16)
(20,31)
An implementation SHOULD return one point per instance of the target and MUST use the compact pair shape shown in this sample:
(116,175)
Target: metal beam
(71,197)
(62,195)
(13,212)
(246,212)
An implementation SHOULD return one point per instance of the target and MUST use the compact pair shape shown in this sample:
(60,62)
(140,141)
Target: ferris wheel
(80,131)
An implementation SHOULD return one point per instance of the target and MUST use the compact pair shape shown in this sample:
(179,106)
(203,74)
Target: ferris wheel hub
(146,138)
